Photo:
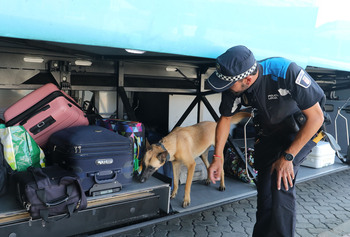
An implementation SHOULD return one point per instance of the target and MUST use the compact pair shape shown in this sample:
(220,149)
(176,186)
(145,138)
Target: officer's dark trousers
(276,209)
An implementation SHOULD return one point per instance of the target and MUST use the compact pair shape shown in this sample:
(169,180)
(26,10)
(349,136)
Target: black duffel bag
(49,191)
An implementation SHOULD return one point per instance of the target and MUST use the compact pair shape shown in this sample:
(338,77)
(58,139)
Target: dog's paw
(173,195)
(222,188)
(185,204)
(207,182)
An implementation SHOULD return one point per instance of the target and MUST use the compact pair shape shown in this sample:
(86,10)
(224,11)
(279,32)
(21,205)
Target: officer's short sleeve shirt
(281,89)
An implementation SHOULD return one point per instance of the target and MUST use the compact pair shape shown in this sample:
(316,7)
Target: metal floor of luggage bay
(203,196)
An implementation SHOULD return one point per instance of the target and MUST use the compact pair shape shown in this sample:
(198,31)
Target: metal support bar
(120,81)
(161,90)
(200,87)
(199,112)
(188,111)
(210,108)
(129,111)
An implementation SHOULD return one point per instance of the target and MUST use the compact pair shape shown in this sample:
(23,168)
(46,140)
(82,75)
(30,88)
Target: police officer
(284,96)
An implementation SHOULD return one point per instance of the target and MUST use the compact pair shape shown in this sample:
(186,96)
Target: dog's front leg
(190,172)
(176,172)
(204,158)
(222,181)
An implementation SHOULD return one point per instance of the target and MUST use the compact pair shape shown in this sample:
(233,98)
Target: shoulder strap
(83,200)
(41,179)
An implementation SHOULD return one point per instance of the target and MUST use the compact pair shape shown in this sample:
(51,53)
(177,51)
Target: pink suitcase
(45,111)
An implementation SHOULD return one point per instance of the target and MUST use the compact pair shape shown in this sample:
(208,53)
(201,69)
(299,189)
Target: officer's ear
(249,80)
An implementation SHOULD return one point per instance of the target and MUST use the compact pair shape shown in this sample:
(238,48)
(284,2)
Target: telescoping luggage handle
(104,173)
(42,181)
(104,186)
(37,108)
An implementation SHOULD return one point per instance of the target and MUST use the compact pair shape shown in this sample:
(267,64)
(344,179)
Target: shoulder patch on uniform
(303,79)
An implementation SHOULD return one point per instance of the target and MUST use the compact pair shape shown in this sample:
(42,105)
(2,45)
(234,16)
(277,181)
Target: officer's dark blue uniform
(281,91)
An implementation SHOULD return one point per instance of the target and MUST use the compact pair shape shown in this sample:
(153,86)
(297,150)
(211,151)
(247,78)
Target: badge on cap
(218,68)
(303,79)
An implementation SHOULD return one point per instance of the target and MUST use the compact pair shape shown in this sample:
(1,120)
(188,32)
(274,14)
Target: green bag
(20,149)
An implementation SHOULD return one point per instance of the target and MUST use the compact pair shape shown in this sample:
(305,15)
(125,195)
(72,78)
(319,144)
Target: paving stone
(239,234)
(331,225)
(249,231)
(182,233)
(160,227)
(157,233)
(304,225)
(221,219)
(237,228)
(316,231)
(329,234)
(301,220)
(201,232)
(213,233)
(147,231)
(186,225)
(175,221)
(303,233)
(168,227)
(228,234)
(227,208)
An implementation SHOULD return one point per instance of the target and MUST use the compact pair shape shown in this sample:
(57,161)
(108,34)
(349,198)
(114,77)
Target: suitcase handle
(55,203)
(103,181)
(38,106)
(24,121)
(41,193)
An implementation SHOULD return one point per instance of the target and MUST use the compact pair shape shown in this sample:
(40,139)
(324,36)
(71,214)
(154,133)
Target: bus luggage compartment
(137,203)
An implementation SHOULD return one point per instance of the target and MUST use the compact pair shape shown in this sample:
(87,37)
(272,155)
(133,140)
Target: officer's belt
(291,124)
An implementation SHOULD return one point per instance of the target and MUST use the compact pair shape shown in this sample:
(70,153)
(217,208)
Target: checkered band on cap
(238,77)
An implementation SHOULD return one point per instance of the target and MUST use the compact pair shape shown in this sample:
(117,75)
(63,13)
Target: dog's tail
(238,117)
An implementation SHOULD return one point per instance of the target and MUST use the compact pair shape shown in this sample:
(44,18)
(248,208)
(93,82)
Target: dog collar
(163,147)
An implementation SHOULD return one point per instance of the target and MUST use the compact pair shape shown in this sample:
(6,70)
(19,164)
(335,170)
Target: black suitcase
(102,159)
(133,129)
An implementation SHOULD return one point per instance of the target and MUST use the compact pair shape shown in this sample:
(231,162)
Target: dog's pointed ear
(148,146)
(162,156)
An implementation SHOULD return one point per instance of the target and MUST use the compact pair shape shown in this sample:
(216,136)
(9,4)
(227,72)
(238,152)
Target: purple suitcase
(102,159)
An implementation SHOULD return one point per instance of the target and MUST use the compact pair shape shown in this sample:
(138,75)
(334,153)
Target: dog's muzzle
(146,173)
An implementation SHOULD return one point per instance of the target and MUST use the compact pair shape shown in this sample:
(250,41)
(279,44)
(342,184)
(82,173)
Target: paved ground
(323,211)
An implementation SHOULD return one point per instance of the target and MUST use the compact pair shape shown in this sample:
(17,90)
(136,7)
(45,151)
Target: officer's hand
(215,170)
(285,172)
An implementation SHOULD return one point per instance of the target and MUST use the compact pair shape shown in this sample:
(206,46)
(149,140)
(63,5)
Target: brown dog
(182,146)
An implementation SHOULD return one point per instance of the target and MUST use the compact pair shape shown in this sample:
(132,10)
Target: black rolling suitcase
(102,159)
